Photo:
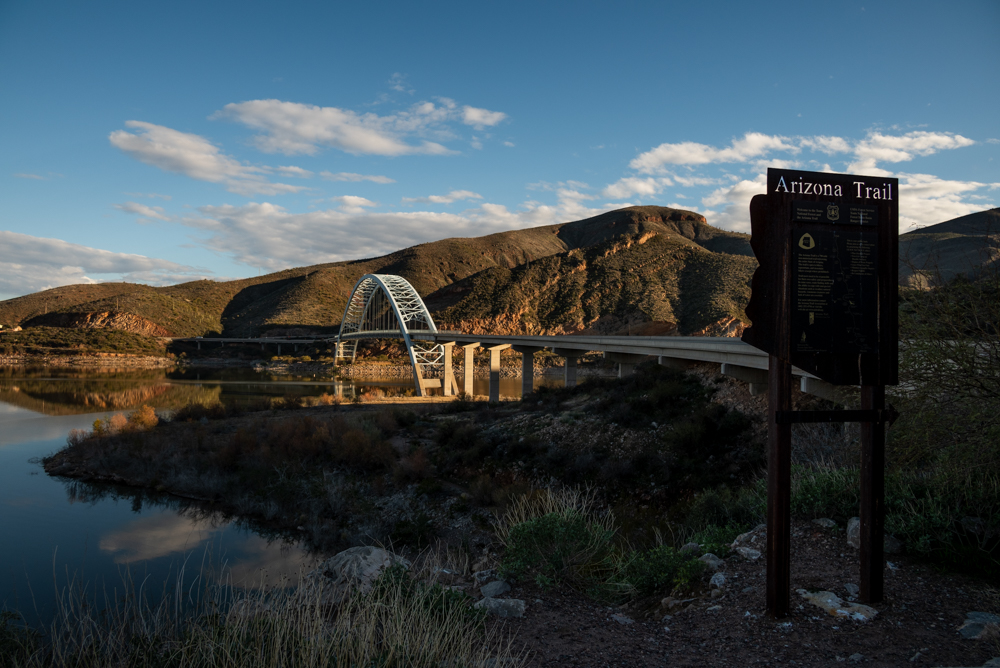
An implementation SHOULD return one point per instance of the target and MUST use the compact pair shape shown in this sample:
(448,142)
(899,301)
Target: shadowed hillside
(952,248)
(639,270)
(316,295)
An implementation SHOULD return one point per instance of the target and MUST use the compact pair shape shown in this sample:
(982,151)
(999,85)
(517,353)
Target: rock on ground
(835,606)
(494,589)
(501,607)
(353,569)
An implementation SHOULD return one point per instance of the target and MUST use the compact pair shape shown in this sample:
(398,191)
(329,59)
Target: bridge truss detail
(383,306)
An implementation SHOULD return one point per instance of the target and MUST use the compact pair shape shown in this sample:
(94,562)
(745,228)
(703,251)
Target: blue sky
(163,142)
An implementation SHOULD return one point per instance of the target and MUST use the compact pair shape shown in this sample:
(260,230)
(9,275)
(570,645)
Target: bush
(659,569)
(560,547)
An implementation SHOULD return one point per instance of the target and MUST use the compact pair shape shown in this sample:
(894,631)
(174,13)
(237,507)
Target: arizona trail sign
(824,299)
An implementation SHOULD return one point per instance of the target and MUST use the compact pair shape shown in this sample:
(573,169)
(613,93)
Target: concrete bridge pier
(495,370)
(469,370)
(569,368)
(450,387)
(527,368)
(626,362)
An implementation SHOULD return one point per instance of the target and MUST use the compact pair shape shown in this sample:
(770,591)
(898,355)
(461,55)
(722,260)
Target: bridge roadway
(737,360)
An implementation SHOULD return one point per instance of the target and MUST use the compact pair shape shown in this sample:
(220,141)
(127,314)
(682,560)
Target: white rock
(854,532)
(712,561)
(748,553)
(718,580)
(501,607)
(494,589)
(824,522)
(690,547)
(353,569)
(852,589)
(622,619)
(836,607)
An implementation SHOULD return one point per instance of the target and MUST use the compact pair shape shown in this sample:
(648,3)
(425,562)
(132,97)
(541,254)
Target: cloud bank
(29,264)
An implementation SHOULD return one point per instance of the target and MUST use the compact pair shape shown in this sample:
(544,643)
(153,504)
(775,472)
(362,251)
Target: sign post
(824,299)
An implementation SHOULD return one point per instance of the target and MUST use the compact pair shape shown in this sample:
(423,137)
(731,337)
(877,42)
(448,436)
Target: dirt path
(916,625)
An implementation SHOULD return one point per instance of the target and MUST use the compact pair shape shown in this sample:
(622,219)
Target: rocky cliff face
(125,322)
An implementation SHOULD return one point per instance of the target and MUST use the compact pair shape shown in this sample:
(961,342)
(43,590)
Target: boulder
(501,607)
(825,522)
(484,576)
(712,561)
(757,536)
(354,569)
(836,607)
(718,581)
(494,589)
(748,553)
(690,547)
(890,544)
(977,623)
(854,532)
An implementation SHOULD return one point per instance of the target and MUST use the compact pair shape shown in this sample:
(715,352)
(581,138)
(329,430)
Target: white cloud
(926,200)
(354,178)
(509,144)
(353,203)
(480,118)
(293,128)
(752,145)
(735,203)
(828,145)
(29,264)
(267,235)
(144,212)
(297,172)
(398,82)
(34,177)
(692,181)
(150,195)
(193,156)
(902,148)
(633,185)
(453,196)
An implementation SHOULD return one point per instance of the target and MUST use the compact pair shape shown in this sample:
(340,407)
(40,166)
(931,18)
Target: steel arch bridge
(383,306)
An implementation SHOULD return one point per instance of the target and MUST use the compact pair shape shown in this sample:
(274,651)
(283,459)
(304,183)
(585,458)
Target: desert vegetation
(401,621)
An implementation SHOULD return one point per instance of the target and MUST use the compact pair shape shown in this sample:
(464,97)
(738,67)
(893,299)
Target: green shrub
(560,547)
(660,569)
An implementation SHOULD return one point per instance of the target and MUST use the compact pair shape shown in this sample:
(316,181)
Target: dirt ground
(916,624)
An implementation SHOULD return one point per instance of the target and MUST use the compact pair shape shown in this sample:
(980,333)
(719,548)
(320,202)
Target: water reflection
(54,391)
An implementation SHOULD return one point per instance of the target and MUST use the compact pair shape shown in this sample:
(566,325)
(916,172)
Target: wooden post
(779,470)
(872,496)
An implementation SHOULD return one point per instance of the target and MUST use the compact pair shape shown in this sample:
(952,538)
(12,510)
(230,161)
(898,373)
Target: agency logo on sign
(807,242)
(833,212)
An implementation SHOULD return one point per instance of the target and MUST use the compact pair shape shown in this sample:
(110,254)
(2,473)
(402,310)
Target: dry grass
(566,501)
(399,623)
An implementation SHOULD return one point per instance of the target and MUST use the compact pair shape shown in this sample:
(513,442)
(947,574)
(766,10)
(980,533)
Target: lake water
(58,531)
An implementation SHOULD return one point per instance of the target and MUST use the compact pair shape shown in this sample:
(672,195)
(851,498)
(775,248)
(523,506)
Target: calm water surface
(58,531)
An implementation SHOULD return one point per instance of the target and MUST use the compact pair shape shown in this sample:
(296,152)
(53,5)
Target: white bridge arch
(383,306)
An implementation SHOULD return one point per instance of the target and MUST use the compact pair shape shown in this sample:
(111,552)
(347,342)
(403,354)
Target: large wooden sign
(824,300)
(824,297)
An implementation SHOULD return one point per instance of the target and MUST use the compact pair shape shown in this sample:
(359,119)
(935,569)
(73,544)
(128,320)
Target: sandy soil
(916,625)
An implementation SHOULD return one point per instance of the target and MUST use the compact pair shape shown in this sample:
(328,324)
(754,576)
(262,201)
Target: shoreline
(347,372)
